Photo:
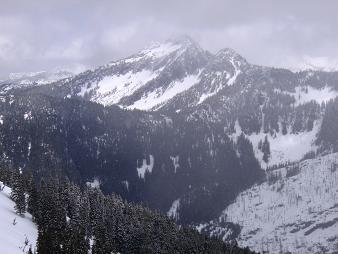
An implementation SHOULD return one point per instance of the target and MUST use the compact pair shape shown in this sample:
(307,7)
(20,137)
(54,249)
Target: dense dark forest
(73,219)
(85,141)
(328,135)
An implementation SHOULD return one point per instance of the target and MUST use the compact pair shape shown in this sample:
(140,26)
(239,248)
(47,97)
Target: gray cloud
(41,35)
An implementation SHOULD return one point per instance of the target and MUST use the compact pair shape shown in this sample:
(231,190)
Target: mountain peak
(161,49)
(228,54)
(184,40)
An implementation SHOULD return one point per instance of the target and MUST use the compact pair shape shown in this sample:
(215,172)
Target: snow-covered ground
(284,148)
(111,89)
(160,95)
(41,77)
(297,212)
(160,50)
(17,233)
(304,94)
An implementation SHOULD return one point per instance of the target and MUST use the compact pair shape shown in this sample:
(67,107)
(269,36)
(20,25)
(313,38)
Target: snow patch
(126,184)
(146,167)
(175,160)
(27,115)
(173,211)
(284,148)
(94,184)
(305,94)
(29,148)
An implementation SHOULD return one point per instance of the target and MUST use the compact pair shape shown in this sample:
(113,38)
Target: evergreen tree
(266,149)
(51,219)
(78,210)
(30,251)
(18,192)
(260,145)
(33,201)
(284,128)
(33,198)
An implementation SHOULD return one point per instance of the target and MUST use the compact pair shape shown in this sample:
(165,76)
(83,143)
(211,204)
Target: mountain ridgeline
(174,127)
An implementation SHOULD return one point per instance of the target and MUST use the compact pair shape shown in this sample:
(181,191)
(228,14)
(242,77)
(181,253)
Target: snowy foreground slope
(295,211)
(19,237)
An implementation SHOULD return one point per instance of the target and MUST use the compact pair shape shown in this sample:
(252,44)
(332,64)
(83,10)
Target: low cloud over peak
(41,35)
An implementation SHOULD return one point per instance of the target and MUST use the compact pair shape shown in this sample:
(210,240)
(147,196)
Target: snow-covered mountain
(155,76)
(209,122)
(31,79)
(295,211)
(41,77)
(178,74)
(17,234)
(145,80)
(179,77)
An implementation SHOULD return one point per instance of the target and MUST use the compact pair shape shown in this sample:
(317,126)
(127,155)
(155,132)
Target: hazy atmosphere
(191,126)
(40,35)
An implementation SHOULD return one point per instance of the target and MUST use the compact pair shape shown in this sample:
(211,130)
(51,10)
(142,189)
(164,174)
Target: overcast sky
(45,34)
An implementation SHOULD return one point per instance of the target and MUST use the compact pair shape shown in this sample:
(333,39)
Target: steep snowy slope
(17,233)
(295,211)
(158,97)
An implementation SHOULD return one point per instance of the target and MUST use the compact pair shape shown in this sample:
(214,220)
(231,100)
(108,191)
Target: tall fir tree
(266,150)
(18,192)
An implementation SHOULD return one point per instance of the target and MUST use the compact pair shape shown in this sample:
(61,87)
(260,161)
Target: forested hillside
(149,158)
(71,219)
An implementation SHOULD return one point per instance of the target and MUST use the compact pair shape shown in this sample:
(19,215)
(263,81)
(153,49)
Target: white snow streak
(126,184)
(304,94)
(230,82)
(173,211)
(146,167)
(175,160)
(159,96)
